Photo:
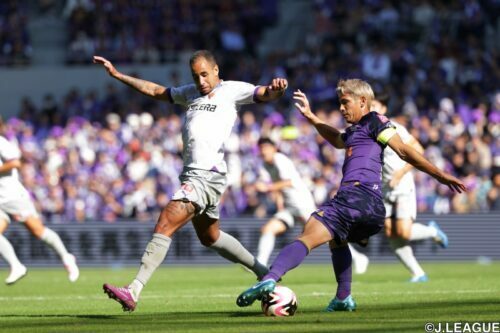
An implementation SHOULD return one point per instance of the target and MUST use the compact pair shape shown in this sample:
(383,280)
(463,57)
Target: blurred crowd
(91,156)
(110,159)
(158,31)
(15,47)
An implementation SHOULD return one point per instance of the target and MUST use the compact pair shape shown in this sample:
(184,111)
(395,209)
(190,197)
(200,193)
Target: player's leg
(175,215)
(35,225)
(402,249)
(17,269)
(315,234)
(432,231)
(404,214)
(209,234)
(342,267)
(360,261)
(268,233)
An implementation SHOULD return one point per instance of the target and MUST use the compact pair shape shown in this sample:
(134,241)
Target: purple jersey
(365,145)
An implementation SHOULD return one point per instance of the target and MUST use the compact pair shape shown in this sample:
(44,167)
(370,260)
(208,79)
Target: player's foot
(16,274)
(360,265)
(121,295)
(348,304)
(70,265)
(256,292)
(441,237)
(419,279)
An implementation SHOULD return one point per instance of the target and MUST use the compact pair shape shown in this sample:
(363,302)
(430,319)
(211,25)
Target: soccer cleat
(16,274)
(70,265)
(256,292)
(360,265)
(121,295)
(348,304)
(441,238)
(419,279)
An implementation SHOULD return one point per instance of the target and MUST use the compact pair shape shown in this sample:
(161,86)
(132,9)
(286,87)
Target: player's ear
(216,70)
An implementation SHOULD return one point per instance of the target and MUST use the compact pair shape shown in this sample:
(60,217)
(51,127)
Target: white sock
(355,254)
(405,253)
(230,248)
(266,246)
(421,231)
(153,256)
(8,253)
(54,241)
(135,289)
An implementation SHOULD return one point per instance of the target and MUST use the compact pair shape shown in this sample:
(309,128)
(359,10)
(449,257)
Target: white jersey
(209,121)
(9,181)
(392,163)
(297,195)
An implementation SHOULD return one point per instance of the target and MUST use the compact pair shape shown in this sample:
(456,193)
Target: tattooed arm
(148,88)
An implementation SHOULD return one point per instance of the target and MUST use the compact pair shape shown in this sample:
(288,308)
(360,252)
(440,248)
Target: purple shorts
(354,214)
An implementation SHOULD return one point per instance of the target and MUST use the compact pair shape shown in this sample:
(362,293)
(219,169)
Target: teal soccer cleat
(419,279)
(441,238)
(348,304)
(256,292)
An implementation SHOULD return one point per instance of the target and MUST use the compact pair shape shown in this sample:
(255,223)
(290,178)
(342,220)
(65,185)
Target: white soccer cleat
(71,267)
(360,264)
(16,274)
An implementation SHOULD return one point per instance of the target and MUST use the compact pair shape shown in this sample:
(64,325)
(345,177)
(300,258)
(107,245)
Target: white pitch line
(313,294)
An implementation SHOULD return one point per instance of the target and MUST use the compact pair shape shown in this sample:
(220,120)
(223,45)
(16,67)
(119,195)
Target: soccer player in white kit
(401,202)
(280,174)
(16,204)
(211,109)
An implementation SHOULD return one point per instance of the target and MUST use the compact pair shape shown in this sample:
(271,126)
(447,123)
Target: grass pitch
(202,299)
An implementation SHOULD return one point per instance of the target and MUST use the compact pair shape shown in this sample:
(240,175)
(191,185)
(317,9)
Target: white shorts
(203,188)
(401,205)
(19,208)
(291,214)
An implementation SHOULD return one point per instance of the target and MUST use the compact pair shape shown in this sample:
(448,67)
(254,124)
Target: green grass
(202,299)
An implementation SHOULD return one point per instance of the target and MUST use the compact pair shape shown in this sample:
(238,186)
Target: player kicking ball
(15,202)
(357,211)
(211,109)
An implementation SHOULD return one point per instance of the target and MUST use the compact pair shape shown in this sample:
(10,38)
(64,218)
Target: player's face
(378,107)
(205,75)
(351,107)
(267,152)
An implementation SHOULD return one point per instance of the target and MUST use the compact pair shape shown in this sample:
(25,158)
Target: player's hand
(107,64)
(396,178)
(453,183)
(261,187)
(302,104)
(278,85)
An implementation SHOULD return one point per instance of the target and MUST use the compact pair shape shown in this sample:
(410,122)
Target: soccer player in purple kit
(357,211)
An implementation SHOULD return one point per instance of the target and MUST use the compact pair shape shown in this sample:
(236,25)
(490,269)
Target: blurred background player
(400,200)
(16,203)
(211,110)
(279,174)
(357,210)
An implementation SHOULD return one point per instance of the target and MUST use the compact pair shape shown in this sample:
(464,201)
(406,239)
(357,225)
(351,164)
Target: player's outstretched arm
(273,91)
(332,135)
(410,155)
(9,165)
(148,88)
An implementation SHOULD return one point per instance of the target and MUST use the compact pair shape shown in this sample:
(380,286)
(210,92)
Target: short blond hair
(357,88)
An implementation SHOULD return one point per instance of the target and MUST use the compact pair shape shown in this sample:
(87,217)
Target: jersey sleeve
(179,95)
(381,128)
(402,132)
(8,151)
(243,92)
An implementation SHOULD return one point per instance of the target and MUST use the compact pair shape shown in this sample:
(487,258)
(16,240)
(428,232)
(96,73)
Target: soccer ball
(282,302)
